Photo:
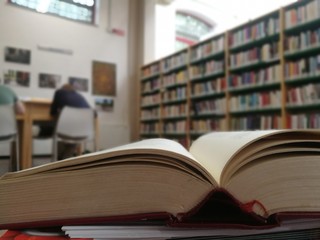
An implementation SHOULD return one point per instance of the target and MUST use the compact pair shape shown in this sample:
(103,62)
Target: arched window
(190,28)
(78,10)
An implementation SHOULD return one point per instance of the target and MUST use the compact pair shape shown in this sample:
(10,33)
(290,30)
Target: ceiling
(226,14)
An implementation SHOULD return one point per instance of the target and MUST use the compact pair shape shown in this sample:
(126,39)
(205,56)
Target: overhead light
(43,6)
(88,3)
(165,2)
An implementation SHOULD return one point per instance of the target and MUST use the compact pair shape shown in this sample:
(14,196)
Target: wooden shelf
(209,97)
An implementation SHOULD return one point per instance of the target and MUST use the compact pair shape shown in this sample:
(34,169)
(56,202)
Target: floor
(4,166)
(37,161)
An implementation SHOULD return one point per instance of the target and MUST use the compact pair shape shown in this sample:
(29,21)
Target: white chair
(9,133)
(75,126)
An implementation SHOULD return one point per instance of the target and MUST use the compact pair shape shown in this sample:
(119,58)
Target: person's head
(68,86)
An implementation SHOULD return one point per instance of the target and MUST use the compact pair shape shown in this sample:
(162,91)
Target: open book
(246,178)
(287,230)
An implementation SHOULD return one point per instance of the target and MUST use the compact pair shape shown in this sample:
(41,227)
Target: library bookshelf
(264,74)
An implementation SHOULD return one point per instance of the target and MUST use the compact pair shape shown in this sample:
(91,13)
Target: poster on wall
(47,80)
(103,104)
(16,78)
(17,55)
(80,84)
(103,78)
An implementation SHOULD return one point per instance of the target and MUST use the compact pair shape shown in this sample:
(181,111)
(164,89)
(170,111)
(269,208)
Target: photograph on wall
(17,55)
(104,104)
(16,78)
(47,80)
(103,78)
(80,84)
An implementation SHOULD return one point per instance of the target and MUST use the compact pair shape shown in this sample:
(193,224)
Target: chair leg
(85,147)
(11,158)
(14,164)
(80,149)
(17,146)
(54,149)
(94,146)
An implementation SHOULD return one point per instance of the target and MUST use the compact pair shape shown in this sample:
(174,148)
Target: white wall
(225,14)
(26,29)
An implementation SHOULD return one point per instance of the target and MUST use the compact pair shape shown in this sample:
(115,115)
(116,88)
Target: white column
(165,30)
(149,31)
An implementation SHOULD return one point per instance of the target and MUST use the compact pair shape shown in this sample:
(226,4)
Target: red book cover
(20,235)
(219,208)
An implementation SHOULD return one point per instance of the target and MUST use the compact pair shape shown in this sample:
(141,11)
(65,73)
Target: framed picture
(47,80)
(103,78)
(104,104)
(16,78)
(17,55)
(80,84)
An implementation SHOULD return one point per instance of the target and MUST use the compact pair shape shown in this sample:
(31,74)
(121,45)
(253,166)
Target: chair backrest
(8,124)
(76,123)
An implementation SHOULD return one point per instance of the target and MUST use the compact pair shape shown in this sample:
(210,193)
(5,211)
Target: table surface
(37,109)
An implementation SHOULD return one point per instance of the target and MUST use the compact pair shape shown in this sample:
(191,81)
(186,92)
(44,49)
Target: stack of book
(241,185)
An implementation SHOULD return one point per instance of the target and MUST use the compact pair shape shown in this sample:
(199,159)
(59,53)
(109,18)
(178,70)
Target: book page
(215,149)
(167,232)
(157,147)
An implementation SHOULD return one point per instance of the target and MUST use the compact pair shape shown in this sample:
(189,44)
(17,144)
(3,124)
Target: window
(190,29)
(78,10)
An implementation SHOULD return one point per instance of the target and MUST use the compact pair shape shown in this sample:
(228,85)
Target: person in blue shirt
(65,96)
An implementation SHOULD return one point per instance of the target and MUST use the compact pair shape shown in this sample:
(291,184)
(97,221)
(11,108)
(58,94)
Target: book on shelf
(249,179)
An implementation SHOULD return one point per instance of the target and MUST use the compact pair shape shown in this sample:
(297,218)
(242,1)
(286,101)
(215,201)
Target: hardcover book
(246,179)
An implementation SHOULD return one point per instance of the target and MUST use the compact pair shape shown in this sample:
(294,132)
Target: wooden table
(37,109)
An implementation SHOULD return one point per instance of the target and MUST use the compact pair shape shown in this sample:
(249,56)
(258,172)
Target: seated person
(65,96)
(8,96)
